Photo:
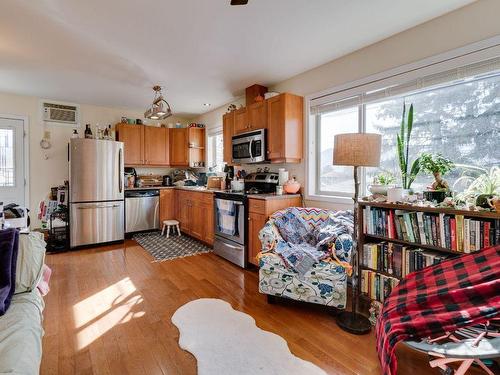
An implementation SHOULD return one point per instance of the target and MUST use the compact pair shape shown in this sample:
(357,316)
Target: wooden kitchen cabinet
(132,137)
(179,148)
(144,145)
(167,205)
(259,211)
(156,146)
(257,115)
(195,213)
(227,136)
(241,121)
(285,117)
(187,147)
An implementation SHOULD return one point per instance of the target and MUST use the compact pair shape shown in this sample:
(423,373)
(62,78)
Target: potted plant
(408,173)
(481,189)
(381,182)
(436,165)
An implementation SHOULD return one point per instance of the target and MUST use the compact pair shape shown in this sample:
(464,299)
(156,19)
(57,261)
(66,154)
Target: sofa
(322,282)
(21,329)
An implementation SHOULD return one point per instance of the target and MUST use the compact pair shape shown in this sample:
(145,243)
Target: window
(7,157)
(216,152)
(459,118)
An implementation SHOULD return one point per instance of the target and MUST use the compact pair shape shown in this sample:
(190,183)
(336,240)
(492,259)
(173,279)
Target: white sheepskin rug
(227,342)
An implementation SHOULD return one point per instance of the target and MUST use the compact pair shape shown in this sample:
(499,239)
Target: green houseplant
(481,188)
(436,165)
(381,182)
(408,173)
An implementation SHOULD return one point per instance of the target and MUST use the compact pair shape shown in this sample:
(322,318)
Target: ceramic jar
(292,186)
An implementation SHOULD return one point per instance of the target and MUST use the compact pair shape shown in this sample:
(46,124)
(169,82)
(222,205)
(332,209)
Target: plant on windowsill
(436,165)
(403,151)
(381,182)
(482,189)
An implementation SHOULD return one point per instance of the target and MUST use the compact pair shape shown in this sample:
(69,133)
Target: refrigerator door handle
(98,206)
(120,174)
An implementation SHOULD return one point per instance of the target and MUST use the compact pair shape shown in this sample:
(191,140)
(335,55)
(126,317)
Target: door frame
(26,142)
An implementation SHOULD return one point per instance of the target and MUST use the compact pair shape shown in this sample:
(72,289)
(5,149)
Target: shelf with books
(396,239)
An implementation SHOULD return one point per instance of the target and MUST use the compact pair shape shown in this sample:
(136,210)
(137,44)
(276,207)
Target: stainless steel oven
(230,211)
(249,147)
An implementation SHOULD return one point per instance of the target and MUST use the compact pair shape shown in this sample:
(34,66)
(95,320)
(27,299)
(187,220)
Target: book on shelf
(398,260)
(449,231)
(377,286)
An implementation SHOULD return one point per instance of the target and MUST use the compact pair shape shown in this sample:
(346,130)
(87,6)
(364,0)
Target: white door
(12,178)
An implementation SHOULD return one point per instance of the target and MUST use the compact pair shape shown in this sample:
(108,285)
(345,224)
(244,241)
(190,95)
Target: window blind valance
(401,84)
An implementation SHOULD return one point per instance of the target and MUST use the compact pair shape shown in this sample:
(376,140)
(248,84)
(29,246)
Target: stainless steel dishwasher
(142,210)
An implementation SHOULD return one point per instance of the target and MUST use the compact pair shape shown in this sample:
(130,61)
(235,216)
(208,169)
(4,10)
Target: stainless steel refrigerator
(96,191)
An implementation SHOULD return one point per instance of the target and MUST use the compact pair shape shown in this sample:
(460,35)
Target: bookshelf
(388,251)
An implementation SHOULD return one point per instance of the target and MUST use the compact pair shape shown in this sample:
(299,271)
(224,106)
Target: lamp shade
(357,149)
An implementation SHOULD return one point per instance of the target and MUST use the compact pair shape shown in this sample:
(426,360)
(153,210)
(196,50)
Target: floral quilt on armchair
(306,255)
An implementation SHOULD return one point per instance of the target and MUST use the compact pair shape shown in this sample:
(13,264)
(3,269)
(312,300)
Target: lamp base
(353,323)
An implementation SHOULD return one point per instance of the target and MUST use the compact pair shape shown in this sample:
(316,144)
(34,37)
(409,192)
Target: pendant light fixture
(160,109)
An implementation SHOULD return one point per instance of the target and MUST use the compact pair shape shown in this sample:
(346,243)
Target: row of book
(454,232)
(376,286)
(396,259)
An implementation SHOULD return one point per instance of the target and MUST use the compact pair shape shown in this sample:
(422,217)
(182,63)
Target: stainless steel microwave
(249,147)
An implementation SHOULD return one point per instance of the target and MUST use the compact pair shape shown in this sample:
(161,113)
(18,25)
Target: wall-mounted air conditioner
(60,113)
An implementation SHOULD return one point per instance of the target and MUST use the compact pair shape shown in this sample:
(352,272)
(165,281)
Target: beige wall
(464,26)
(50,167)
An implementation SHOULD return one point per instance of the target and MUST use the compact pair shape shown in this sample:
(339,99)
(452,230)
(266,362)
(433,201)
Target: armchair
(325,281)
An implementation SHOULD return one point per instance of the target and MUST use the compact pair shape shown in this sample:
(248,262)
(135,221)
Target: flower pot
(436,195)
(483,200)
(379,188)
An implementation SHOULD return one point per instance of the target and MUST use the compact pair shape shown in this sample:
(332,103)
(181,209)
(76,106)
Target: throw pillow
(9,241)
(30,260)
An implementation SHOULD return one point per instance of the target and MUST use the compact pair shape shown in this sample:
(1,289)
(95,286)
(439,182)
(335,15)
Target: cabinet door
(208,212)
(132,137)
(183,211)
(156,146)
(227,136)
(255,223)
(196,137)
(257,115)
(198,218)
(167,205)
(179,147)
(241,121)
(276,127)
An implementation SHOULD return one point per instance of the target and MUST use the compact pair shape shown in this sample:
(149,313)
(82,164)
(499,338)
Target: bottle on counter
(75,134)
(88,132)
(106,133)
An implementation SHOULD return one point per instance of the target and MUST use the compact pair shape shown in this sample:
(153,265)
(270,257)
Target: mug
(394,194)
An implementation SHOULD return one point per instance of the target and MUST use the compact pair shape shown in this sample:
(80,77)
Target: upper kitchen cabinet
(156,149)
(133,138)
(179,148)
(144,145)
(285,117)
(257,115)
(241,121)
(227,136)
(187,147)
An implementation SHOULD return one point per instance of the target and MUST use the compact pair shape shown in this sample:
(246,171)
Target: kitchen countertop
(272,196)
(201,189)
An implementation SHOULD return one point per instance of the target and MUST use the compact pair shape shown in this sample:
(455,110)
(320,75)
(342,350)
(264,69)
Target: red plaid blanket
(454,293)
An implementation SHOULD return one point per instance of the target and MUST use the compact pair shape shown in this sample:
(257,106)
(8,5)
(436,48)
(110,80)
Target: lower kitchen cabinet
(259,211)
(195,213)
(167,205)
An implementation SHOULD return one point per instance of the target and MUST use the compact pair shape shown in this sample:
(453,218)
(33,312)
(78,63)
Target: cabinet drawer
(257,205)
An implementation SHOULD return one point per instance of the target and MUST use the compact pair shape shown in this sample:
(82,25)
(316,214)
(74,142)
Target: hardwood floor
(109,310)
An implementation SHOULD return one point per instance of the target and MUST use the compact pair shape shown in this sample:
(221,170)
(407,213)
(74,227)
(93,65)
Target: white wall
(464,26)
(50,167)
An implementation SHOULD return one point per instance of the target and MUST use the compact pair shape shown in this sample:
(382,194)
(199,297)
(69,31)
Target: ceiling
(202,51)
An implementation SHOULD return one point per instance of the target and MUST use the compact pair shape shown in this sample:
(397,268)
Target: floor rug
(163,248)
(227,342)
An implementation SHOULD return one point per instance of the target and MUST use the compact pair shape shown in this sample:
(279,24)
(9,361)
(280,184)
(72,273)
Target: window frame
(479,51)
(211,146)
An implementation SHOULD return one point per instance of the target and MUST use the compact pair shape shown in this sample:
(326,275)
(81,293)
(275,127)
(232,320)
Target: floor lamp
(357,150)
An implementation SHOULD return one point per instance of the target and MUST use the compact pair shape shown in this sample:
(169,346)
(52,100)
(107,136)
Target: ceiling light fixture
(160,109)
(207,104)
